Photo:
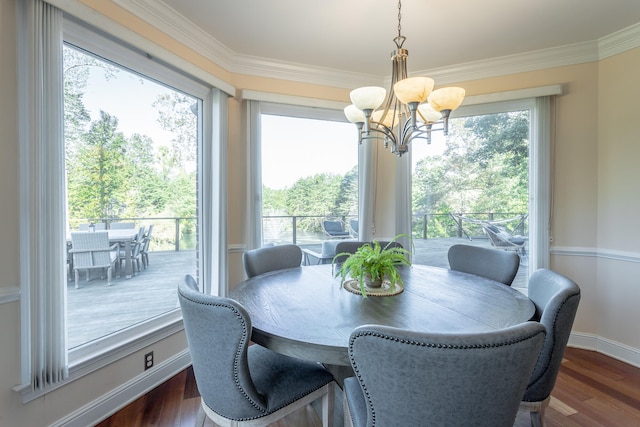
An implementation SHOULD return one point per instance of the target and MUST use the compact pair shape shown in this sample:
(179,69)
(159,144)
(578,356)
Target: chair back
(93,247)
(218,332)
(556,299)
(494,264)
(409,378)
(146,240)
(137,243)
(271,258)
(122,225)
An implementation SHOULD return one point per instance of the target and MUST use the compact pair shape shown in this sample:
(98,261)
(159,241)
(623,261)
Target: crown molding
(578,53)
(619,42)
(160,15)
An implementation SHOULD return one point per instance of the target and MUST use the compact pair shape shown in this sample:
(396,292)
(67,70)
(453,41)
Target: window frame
(211,200)
(539,164)
(255,109)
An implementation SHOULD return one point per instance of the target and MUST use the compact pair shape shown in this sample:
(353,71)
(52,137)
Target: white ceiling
(355,36)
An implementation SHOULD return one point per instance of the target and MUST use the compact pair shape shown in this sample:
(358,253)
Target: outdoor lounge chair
(501,239)
(353,223)
(335,229)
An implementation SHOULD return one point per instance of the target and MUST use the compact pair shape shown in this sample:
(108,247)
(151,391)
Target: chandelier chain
(399,18)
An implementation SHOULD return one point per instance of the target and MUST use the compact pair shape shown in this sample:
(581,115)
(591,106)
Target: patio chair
(92,251)
(136,252)
(353,223)
(335,229)
(408,378)
(242,384)
(501,239)
(144,251)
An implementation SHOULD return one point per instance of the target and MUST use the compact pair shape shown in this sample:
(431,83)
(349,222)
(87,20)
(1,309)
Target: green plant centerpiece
(371,264)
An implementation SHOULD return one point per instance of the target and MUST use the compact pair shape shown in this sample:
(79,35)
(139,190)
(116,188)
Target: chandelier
(411,108)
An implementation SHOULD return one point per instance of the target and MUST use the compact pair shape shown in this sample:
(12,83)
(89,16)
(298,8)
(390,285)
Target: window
(144,162)
(478,176)
(309,173)
(131,160)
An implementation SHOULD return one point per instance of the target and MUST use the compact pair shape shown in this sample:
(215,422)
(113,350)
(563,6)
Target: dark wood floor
(591,390)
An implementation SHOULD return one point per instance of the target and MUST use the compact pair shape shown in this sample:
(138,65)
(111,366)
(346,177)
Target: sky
(129,99)
(293,148)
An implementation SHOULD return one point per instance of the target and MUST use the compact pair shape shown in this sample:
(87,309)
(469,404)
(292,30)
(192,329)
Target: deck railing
(307,229)
(176,233)
(169,233)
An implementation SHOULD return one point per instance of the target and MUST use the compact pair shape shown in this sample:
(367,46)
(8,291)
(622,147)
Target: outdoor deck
(96,310)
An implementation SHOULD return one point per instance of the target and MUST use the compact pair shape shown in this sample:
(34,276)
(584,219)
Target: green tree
(347,198)
(175,114)
(314,195)
(95,174)
(274,201)
(484,168)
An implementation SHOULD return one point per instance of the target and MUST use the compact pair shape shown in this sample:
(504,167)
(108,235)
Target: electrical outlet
(148,360)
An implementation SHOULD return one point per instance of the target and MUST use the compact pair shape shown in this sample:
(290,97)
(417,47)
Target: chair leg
(348,422)
(77,274)
(201,417)
(536,411)
(109,276)
(327,405)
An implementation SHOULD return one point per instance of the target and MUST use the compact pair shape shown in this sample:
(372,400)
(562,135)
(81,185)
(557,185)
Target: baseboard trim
(606,346)
(110,403)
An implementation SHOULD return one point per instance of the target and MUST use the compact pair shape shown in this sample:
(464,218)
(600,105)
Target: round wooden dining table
(305,312)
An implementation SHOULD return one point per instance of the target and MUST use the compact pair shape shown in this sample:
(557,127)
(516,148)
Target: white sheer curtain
(540,196)
(254,162)
(212,200)
(403,199)
(42,189)
(367,160)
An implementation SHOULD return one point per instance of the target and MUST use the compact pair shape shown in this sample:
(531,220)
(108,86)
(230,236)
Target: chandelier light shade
(408,111)
(368,97)
(413,89)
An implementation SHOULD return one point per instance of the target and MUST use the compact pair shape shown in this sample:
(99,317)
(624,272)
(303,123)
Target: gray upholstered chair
(494,264)
(242,384)
(93,251)
(408,378)
(556,299)
(271,258)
